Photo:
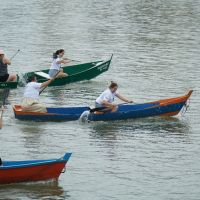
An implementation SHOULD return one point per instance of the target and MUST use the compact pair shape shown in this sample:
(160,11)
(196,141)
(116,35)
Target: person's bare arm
(46,83)
(7,61)
(63,61)
(107,104)
(124,98)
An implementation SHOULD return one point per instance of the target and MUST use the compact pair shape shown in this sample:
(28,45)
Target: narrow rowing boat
(166,107)
(32,170)
(78,72)
(9,85)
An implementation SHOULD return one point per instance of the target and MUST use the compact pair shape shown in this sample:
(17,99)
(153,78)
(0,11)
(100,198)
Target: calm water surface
(156,46)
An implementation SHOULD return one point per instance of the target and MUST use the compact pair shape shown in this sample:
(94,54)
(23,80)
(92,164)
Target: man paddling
(4,62)
(30,102)
(106,99)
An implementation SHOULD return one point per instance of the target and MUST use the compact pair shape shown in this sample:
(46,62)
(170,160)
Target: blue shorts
(97,105)
(53,72)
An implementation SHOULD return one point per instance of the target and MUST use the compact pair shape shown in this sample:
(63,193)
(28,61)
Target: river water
(156,47)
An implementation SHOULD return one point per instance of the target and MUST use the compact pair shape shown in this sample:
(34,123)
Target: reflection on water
(38,190)
(168,125)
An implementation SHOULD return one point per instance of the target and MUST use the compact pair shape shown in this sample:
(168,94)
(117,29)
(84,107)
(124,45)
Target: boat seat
(42,74)
(99,63)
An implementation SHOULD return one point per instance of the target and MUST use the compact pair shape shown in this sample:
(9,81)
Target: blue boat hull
(166,107)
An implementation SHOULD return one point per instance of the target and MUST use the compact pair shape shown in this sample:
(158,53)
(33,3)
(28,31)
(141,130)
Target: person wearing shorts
(55,68)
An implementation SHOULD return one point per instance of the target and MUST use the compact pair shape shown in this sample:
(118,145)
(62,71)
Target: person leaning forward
(31,102)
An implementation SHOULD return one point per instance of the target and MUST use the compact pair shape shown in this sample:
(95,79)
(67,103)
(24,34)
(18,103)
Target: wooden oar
(49,83)
(92,110)
(15,54)
(5,95)
(71,60)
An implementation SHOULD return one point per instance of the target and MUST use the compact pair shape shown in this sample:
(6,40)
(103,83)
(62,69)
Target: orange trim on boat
(170,114)
(165,102)
(18,110)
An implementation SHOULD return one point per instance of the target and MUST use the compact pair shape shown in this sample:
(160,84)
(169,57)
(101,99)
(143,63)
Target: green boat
(9,85)
(78,72)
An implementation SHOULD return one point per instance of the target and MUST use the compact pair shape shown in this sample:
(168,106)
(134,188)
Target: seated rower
(56,64)
(30,102)
(106,99)
(4,62)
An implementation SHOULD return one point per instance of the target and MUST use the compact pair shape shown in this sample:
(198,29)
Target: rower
(30,102)
(4,62)
(56,64)
(106,99)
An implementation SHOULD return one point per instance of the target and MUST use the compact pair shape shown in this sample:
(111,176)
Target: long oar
(84,116)
(92,110)
(5,96)
(15,54)
(49,83)
(72,60)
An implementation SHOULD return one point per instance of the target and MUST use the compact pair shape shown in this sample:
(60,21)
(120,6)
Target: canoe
(166,107)
(10,85)
(32,170)
(78,72)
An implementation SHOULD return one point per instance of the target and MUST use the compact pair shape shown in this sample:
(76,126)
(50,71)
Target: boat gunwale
(34,163)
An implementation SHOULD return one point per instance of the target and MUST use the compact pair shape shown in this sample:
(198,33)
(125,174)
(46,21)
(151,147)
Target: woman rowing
(106,99)
(30,102)
(58,60)
(4,62)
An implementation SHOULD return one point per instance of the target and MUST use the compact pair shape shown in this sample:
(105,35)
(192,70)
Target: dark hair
(113,84)
(30,78)
(55,55)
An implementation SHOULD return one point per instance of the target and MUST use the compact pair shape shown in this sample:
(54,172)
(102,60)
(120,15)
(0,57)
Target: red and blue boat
(32,170)
(165,107)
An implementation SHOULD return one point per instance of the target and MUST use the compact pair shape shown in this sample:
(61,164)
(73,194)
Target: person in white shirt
(56,64)
(30,102)
(106,99)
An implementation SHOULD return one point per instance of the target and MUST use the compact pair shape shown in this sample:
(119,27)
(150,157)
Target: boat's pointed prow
(111,56)
(189,93)
(66,156)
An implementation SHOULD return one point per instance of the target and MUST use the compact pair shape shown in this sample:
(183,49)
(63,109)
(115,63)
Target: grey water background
(156,46)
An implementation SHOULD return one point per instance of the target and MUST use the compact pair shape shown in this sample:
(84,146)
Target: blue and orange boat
(166,107)
(32,170)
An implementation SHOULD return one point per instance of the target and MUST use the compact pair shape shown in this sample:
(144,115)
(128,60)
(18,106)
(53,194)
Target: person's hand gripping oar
(51,80)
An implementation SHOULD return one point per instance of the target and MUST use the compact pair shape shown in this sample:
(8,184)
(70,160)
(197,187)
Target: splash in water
(84,116)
